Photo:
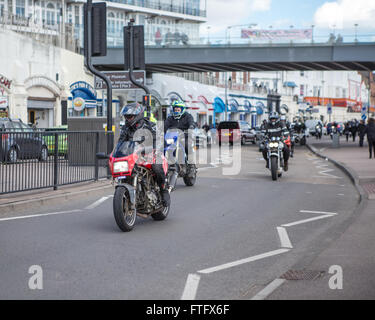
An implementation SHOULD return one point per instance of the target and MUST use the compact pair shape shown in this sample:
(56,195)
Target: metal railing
(48,159)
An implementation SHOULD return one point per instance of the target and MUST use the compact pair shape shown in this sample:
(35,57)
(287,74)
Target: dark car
(234,131)
(19,141)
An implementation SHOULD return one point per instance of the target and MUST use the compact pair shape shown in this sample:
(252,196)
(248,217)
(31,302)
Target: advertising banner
(288,34)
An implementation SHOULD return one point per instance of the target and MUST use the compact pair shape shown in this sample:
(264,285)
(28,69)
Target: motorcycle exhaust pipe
(144,216)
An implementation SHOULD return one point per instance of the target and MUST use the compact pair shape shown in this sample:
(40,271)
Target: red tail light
(4,137)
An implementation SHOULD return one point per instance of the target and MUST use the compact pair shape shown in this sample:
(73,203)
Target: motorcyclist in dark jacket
(275,128)
(180,119)
(135,120)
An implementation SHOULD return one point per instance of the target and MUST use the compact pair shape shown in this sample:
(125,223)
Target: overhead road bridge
(284,57)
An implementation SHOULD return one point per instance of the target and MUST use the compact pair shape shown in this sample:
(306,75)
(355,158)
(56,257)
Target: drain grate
(302,275)
(369,188)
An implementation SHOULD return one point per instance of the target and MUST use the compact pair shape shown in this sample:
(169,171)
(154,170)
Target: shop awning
(260,107)
(233,105)
(219,105)
(290,84)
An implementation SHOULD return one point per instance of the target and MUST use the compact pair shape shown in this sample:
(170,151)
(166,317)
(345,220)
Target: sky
(326,16)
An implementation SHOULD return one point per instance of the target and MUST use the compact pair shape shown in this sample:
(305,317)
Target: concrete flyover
(348,56)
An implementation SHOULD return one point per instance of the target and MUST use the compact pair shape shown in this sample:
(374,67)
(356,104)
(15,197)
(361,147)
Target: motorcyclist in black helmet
(133,114)
(275,128)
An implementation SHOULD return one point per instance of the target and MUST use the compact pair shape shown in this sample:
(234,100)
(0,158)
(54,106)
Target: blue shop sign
(84,96)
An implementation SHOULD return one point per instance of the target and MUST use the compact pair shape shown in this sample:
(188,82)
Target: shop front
(43,100)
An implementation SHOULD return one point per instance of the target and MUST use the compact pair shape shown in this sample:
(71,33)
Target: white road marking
(96,203)
(284,238)
(191,287)
(261,295)
(242,261)
(40,215)
(319,212)
(305,221)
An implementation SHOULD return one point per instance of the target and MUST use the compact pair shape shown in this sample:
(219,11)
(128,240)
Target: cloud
(223,13)
(345,13)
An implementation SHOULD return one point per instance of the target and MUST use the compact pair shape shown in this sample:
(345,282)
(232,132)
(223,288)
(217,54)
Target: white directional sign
(121,80)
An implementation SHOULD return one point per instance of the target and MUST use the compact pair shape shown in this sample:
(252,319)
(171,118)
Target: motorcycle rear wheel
(161,215)
(190,178)
(125,219)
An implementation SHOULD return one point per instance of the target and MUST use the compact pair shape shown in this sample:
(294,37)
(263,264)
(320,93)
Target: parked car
(49,137)
(20,141)
(235,131)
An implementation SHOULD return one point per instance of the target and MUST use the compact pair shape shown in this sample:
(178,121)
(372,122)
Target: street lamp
(227,33)
(356,27)
(312,33)
(208,34)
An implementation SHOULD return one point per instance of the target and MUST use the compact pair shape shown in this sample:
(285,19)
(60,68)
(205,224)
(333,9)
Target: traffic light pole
(131,67)
(89,65)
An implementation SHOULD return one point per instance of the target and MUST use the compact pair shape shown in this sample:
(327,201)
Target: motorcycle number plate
(227,134)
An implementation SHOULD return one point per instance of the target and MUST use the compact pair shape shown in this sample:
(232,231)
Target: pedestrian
(347,130)
(158,37)
(177,37)
(353,129)
(361,132)
(370,131)
(169,37)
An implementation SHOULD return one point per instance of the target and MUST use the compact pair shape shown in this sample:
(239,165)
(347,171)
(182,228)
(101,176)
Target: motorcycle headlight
(170,141)
(121,166)
(274,145)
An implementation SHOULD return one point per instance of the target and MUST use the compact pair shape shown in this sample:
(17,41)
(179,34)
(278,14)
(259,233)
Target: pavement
(349,261)
(228,237)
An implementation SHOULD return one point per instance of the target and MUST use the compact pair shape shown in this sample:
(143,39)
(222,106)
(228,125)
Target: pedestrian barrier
(31,160)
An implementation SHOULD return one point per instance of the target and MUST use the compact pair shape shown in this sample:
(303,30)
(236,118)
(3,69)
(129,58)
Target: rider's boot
(285,165)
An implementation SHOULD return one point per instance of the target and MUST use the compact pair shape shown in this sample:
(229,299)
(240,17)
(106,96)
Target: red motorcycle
(137,193)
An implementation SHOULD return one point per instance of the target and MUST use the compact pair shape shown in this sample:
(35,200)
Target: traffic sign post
(329,110)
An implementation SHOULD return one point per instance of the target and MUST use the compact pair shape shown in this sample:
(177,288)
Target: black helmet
(133,113)
(274,117)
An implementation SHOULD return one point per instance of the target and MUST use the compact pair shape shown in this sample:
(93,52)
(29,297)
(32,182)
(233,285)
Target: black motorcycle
(275,156)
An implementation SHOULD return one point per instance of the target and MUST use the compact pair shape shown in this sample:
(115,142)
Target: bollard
(336,140)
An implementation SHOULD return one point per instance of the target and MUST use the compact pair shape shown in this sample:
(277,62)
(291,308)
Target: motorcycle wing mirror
(102,156)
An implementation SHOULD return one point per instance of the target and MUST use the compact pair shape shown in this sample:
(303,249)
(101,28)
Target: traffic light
(98,30)
(138,48)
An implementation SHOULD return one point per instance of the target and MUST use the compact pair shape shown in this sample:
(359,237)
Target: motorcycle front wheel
(124,215)
(274,168)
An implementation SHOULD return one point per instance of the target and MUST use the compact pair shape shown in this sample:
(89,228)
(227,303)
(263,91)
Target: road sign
(120,80)
(364,117)
(364,109)
(329,108)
